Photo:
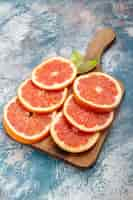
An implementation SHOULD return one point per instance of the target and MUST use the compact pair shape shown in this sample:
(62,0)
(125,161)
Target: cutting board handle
(102,39)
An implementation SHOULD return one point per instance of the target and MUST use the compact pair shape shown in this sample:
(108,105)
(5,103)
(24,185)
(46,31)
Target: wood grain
(101,41)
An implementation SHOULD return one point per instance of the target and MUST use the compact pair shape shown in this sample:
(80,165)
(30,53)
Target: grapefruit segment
(70,138)
(39,100)
(54,73)
(25,126)
(85,119)
(98,91)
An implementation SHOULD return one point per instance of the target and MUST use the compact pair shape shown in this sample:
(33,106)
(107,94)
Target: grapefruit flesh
(25,126)
(86,119)
(40,100)
(54,73)
(69,138)
(98,91)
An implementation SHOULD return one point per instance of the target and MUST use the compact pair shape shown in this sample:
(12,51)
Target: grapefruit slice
(54,73)
(69,138)
(85,119)
(98,91)
(39,100)
(24,126)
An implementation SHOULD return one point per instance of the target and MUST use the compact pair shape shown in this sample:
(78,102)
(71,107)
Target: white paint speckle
(15,156)
(112,60)
(2,138)
(66,51)
(129,30)
(5,8)
(39,8)
(51,53)
(87,16)
(18,27)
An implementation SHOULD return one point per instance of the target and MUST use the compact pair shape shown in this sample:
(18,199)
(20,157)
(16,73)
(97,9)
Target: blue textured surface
(32,30)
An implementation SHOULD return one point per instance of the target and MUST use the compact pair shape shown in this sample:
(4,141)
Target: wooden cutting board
(101,41)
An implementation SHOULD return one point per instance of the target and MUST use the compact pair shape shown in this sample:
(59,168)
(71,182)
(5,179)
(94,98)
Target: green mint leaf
(87,66)
(76,57)
(82,65)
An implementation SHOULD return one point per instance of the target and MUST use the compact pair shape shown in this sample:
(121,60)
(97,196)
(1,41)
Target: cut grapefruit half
(85,119)
(69,138)
(24,126)
(54,73)
(98,91)
(39,100)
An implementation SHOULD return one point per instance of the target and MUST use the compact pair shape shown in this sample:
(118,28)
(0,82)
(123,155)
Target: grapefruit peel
(47,109)
(20,136)
(55,86)
(92,138)
(96,107)
(82,127)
